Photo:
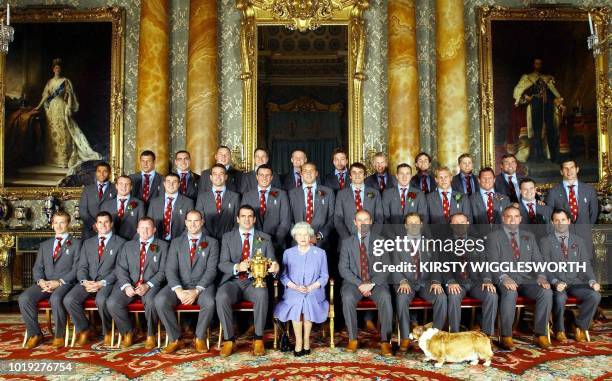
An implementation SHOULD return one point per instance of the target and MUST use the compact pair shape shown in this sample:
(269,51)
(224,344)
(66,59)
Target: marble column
(451,91)
(404,139)
(152,114)
(202,88)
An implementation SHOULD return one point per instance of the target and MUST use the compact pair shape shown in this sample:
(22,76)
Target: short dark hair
(146,218)
(486,169)
(567,160)
(124,177)
(217,165)
(297,150)
(61,213)
(182,151)
(172,174)
(104,214)
(103,164)
(511,206)
(148,153)
(463,156)
(224,147)
(403,165)
(526,180)
(416,158)
(264,166)
(338,150)
(261,149)
(196,212)
(412,214)
(508,156)
(359,166)
(248,207)
(458,214)
(559,211)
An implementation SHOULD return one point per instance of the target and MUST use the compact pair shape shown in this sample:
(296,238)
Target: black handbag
(283,342)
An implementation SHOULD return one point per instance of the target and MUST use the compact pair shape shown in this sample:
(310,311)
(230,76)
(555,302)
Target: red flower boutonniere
(273,193)
(525,237)
(411,195)
(153,247)
(370,194)
(203,245)
(132,205)
(321,193)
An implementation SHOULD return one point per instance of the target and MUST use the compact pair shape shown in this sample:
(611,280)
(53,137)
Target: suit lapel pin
(229,205)
(274,201)
(180,211)
(322,201)
(154,258)
(111,252)
(585,200)
(132,214)
(67,251)
(110,195)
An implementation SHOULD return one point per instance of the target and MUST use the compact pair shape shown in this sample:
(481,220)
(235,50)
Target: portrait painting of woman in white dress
(65,145)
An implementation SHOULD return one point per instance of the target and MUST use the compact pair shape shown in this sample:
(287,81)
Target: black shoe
(305,352)
(298,354)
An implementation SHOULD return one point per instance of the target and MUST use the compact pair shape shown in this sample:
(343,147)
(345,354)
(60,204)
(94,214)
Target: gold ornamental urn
(259,268)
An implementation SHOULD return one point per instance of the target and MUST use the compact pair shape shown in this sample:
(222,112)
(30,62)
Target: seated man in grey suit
(248,180)
(381,179)
(579,198)
(314,204)
(357,268)
(140,274)
(354,198)
(512,245)
(465,182)
(188,179)
(191,268)
(444,202)
(218,205)
(126,210)
(96,277)
(461,283)
(273,213)
(223,156)
(535,215)
(169,209)
(487,205)
(403,199)
(563,246)
(406,285)
(93,196)
(339,178)
(146,184)
(54,274)
(237,249)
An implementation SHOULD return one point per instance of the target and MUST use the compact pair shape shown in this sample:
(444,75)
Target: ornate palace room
(305,190)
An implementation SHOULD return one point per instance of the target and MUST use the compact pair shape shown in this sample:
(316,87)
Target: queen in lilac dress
(304,277)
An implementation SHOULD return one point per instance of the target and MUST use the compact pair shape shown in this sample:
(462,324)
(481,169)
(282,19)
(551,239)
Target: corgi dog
(453,347)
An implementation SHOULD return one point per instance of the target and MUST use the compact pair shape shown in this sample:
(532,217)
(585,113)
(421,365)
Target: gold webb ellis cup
(259,268)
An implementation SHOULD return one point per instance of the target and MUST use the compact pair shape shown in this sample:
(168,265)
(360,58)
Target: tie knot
(102,238)
(357,190)
(563,237)
(193,241)
(530,205)
(381,177)
(183,174)
(147,175)
(489,194)
(403,190)
(122,200)
(513,234)
(170,199)
(571,186)
(59,239)
(509,177)
(246,235)
(309,188)
(262,191)
(218,192)
(143,244)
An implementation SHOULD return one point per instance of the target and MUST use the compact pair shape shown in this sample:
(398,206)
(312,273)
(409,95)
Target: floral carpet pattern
(570,361)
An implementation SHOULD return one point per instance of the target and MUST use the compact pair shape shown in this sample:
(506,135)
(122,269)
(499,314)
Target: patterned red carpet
(571,361)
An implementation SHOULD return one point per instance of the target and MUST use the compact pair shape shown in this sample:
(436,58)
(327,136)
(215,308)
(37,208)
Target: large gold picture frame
(302,16)
(603,93)
(51,15)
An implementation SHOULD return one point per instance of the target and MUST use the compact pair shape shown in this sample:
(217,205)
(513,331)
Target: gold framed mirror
(301,16)
(74,58)
(534,103)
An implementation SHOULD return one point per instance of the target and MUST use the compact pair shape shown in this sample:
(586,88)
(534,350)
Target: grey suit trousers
(165,301)
(29,312)
(381,297)
(402,301)
(489,307)
(74,305)
(233,291)
(117,304)
(587,297)
(507,307)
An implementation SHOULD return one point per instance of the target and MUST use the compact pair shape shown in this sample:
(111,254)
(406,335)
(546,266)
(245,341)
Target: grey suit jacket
(502,186)
(499,249)
(182,206)
(457,184)
(89,206)
(436,210)
(577,252)
(64,267)
(331,181)
(542,226)
(372,181)
(392,205)
(323,204)
(349,265)
(125,227)
(588,204)
(478,208)
(425,257)
(234,177)
(231,251)
(192,185)
(179,270)
(248,182)
(469,257)
(93,268)
(127,267)
(155,189)
(277,219)
(218,224)
(345,210)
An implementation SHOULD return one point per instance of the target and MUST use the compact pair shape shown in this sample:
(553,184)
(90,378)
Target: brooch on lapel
(180,211)
(155,258)
(110,195)
(111,252)
(585,200)
(229,205)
